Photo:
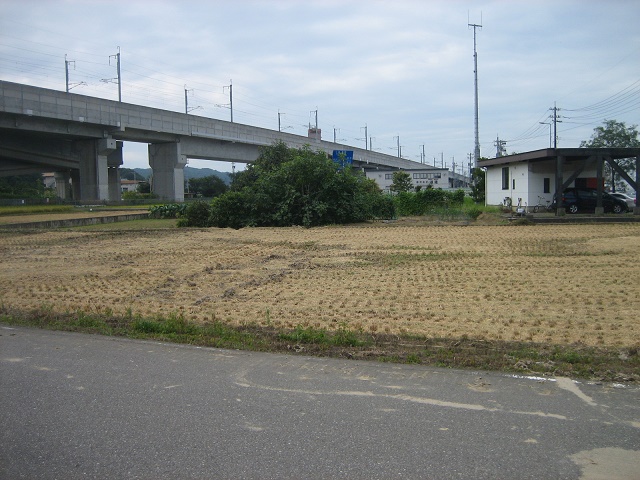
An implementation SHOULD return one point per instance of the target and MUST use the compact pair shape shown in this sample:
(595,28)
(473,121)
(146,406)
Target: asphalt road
(84,406)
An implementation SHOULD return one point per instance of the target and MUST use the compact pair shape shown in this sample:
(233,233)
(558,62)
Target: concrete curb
(76,222)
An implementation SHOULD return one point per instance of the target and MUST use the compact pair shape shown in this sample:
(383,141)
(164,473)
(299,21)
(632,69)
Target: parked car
(577,200)
(630,201)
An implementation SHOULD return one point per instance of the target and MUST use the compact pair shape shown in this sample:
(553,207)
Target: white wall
(526,181)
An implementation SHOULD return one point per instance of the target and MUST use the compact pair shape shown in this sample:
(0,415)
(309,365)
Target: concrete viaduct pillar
(97,158)
(63,185)
(167,163)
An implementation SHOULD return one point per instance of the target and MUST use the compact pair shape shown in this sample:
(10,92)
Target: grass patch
(35,209)
(578,361)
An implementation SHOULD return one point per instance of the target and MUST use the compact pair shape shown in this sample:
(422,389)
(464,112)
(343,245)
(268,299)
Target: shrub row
(426,201)
(171,210)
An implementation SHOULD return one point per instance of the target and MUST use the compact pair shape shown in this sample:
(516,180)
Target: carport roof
(568,154)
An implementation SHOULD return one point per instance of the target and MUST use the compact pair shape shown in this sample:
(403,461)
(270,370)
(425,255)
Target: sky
(400,71)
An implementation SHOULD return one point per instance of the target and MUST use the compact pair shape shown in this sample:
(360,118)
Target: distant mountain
(189,172)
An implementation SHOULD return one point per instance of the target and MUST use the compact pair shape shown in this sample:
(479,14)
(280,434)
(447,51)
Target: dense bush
(137,196)
(22,186)
(287,186)
(171,210)
(196,214)
(426,200)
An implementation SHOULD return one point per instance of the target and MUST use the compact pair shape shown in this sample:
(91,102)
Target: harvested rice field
(558,284)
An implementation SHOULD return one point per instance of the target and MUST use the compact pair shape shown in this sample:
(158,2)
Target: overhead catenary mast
(475,73)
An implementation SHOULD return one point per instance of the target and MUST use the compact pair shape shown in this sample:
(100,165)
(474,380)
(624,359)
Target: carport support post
(167,164)
(559,180)
(599,207)
(636,210)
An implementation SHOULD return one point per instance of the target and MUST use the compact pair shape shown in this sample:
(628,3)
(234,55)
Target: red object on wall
(588,182)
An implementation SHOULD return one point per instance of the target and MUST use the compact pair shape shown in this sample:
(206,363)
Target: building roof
(568,153)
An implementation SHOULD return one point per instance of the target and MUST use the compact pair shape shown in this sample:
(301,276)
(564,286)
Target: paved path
(85,406)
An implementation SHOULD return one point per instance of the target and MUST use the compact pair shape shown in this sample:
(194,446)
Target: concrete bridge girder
(222,150)
(61,118)
(96,160)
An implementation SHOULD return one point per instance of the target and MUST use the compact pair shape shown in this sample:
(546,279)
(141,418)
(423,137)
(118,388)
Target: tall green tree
(143,187)
(209,186)
(478,185)
(22,186)
(615,134)
(401,182)
(287,186)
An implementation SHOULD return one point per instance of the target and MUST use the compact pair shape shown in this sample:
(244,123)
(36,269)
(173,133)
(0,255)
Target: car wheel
(573,208)
(617,208)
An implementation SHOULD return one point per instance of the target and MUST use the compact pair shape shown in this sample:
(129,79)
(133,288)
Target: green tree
(210,186)
(287,186)
(22,186)
(130,174)
(270,159)
(614,134)
(401,182)
(143,187)
(478,185)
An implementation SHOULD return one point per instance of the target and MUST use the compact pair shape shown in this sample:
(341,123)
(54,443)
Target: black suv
(584,199)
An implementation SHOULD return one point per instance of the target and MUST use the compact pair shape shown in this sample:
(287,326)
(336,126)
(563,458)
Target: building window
(505,178)
(514,184)
(388,176)
(547,185)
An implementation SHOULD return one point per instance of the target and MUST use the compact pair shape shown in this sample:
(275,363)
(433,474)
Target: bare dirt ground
(557,284)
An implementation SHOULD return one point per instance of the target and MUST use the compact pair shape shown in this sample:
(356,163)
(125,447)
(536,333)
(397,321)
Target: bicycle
(539,207)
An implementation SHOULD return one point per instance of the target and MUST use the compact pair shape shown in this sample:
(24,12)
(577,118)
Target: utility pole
(186,101)
(555,124)
(117,55)
(230,87)
(365,135)
(422,157)
(475,73)
(398,143)
(66,69)
(118,79)
(500,144)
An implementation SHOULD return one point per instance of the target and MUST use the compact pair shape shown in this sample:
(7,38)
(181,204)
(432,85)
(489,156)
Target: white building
(424,177)
(534,177)
(129,185)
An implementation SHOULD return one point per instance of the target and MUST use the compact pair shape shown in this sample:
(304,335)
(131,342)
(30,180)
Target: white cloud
(404,68)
